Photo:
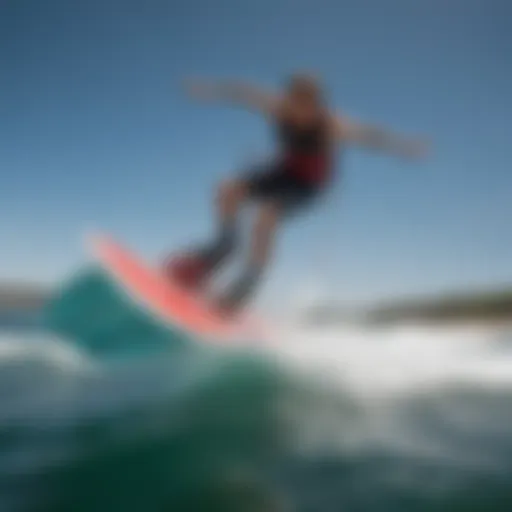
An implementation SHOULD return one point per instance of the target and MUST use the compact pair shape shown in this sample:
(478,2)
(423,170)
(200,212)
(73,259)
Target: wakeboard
(156,292)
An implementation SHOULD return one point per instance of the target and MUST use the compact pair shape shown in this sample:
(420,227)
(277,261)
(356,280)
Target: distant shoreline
(482,307)
(470,307)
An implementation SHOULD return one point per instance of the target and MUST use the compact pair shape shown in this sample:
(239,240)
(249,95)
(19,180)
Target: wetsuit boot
(194,268)
(236,296)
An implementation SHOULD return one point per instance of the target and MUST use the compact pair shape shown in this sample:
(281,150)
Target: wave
(318,420)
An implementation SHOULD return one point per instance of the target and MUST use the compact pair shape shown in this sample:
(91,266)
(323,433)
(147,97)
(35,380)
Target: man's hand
(413,149)
(200,90)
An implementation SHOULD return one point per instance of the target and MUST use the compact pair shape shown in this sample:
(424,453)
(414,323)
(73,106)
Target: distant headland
(22,296)
(493,306)
(484,306)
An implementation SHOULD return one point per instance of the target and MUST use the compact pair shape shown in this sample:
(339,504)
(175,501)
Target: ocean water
(345,418)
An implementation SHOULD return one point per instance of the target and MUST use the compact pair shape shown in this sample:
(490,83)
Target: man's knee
(231,193)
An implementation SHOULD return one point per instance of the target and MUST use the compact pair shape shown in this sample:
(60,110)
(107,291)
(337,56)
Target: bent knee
(231,192)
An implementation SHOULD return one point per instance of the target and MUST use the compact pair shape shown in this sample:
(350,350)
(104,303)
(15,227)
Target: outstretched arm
(375,138)
(235,92)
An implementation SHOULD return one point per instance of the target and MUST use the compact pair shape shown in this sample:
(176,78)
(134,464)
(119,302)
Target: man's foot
(189,271)
(225,308)
(237,295)
(231,302)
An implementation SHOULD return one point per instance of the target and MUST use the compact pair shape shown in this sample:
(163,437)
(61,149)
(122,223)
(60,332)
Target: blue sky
(95,132)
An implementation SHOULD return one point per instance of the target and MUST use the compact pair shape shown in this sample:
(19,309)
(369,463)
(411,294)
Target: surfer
(308,133)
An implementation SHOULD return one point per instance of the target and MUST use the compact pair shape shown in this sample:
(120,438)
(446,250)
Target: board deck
(164,298)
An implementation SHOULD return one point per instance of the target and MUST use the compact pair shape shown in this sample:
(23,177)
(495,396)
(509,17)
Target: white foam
(397,360)
(45,348)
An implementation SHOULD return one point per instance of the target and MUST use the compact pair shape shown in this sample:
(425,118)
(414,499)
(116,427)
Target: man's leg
(258,184)
(197,264)
(281,196)
(230,197)
(262,244)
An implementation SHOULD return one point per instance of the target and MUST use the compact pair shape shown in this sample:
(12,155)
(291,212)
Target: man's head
(305,88)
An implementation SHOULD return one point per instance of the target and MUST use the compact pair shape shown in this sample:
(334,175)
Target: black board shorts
(275,182)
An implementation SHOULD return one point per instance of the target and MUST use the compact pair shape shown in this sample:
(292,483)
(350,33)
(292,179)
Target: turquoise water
(340,419)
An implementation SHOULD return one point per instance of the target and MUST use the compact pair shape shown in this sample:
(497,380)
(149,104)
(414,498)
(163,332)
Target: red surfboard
(164,298)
